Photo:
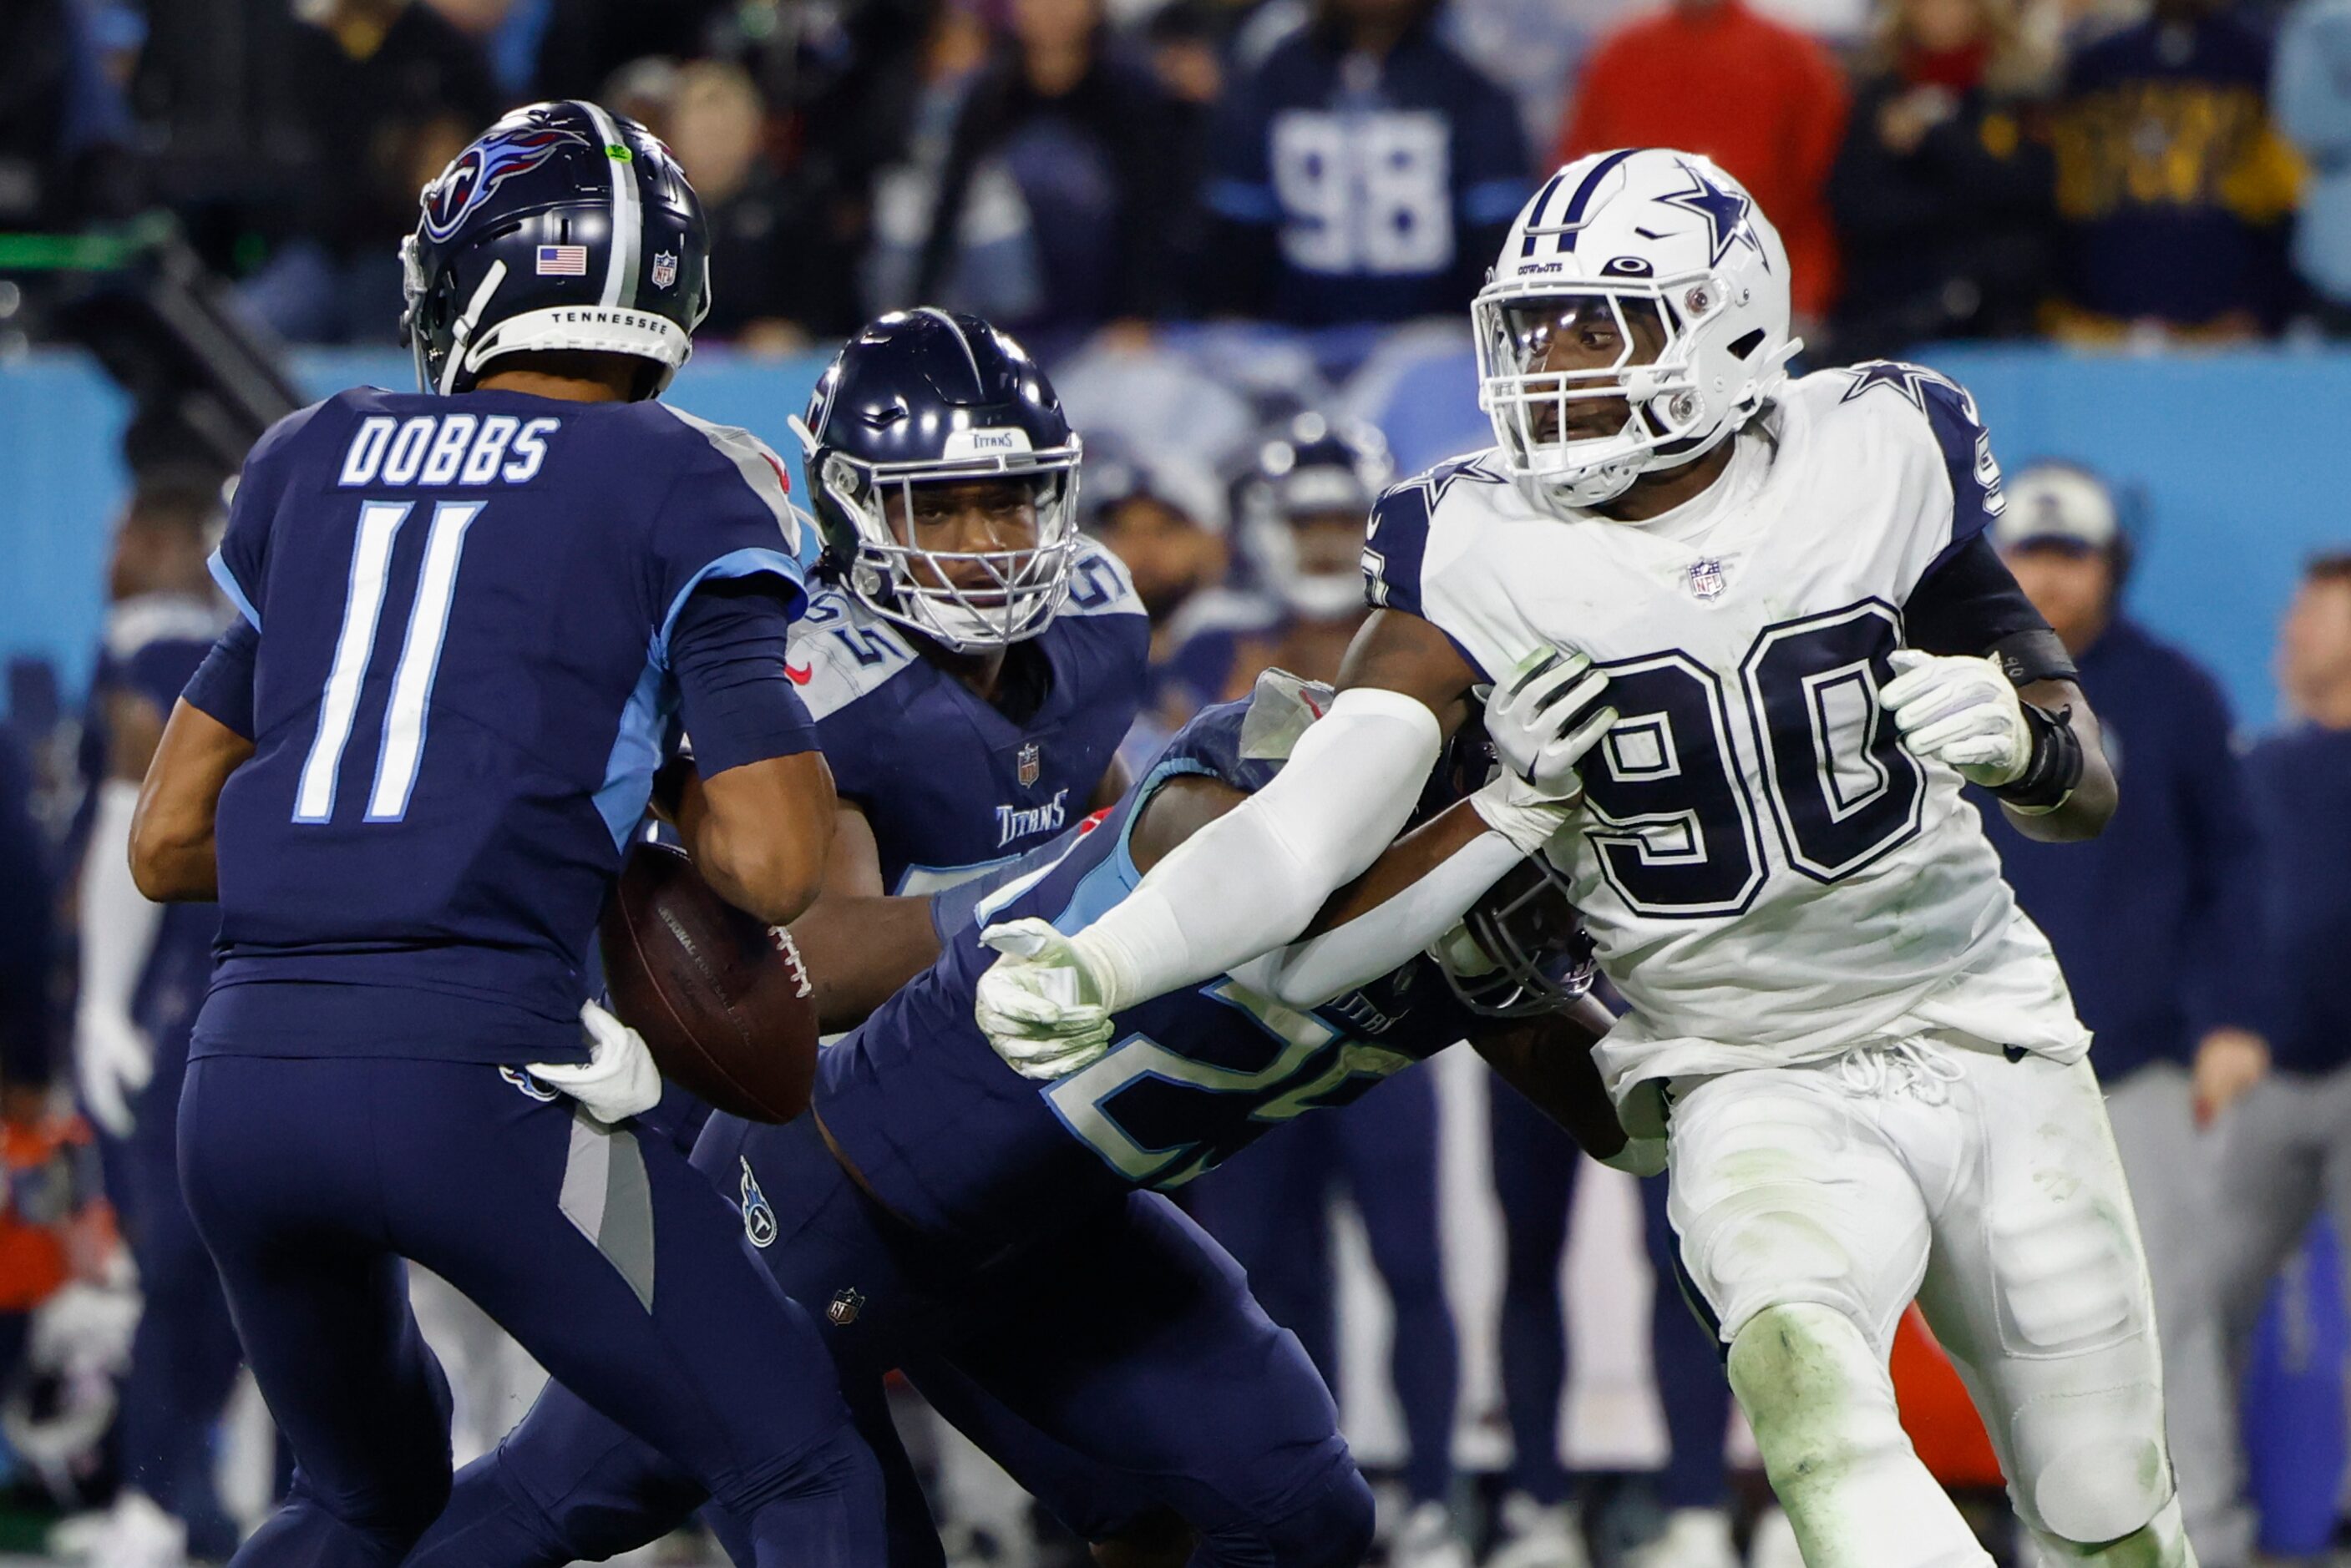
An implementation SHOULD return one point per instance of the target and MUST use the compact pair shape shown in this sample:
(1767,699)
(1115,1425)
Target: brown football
(722,1000)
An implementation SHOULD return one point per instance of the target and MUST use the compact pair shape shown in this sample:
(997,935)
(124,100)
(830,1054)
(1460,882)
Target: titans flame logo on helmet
(483,166)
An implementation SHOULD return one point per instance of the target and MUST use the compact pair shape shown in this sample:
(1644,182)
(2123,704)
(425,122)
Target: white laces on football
(1912,1066)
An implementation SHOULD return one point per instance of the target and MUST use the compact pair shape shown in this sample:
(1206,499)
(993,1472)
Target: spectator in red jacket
(1764,101)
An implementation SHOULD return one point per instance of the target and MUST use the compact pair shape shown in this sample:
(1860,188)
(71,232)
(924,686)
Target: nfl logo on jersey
(665,269)
(1706,579)
(1030,764)
(845,1307)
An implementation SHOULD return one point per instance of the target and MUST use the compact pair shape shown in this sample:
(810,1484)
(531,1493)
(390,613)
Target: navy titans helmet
(563,227)
(926,397)
(1310,465)
(1522,949)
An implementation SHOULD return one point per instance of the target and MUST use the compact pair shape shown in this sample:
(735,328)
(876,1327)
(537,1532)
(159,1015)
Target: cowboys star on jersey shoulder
(1836,504)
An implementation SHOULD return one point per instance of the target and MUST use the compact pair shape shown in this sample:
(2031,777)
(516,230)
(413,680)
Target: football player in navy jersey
(1302,507)
(467,619)
(142,972)
(975,659)
(1000,1233)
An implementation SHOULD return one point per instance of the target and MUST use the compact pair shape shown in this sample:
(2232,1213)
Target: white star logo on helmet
(1725,213)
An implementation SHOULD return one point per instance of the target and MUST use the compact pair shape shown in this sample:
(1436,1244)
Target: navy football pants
(1534,1163)
(1270,1204)
(604,1254)
(1119,1370)
(184,1355)
(1535,1177)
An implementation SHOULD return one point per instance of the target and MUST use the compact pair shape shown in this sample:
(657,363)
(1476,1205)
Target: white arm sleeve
(1310,974)
(118,923)
(1252,880)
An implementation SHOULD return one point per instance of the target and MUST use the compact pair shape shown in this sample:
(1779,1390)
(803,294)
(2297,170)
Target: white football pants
(1822,1198)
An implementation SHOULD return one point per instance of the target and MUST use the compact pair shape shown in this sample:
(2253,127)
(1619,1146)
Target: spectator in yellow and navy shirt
(2174,188)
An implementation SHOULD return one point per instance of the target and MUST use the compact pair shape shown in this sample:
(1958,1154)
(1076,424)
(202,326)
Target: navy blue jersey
(153,644)
(2300,782)
(1389,184)
(951,785)
(463,688)
(952,1140)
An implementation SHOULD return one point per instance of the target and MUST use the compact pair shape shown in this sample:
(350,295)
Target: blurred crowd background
(1242,235)
(1941,169)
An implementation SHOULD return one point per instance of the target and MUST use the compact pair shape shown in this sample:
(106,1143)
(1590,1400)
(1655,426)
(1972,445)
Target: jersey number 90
(1672,817)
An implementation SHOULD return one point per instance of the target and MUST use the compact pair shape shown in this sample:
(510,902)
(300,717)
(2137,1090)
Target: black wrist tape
(2055,767)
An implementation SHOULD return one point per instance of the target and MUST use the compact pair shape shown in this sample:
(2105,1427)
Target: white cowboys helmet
(1637,249)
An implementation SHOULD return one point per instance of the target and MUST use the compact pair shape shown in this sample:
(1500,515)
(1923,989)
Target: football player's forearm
(2087,810)
(171,853)
(1549,1061)
(1417,891)
(859,950)
(760,833)
(1251,881)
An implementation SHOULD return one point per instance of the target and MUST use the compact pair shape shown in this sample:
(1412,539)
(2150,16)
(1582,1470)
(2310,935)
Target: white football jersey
(1770,876)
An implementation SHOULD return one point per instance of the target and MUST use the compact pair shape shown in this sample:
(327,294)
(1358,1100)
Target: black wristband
(2054,769)
(2026,656)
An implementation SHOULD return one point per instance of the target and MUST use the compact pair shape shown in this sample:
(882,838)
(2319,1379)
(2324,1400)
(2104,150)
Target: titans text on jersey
(983,1202)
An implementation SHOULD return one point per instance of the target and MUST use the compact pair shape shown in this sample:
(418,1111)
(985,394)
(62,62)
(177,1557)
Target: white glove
(1529,814)
(113,1060)
(1039,1004)
(619,1079)
(1962,710)
(1529,712)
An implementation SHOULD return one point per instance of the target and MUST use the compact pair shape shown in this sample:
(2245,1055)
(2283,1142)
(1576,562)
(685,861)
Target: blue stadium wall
(2241,462)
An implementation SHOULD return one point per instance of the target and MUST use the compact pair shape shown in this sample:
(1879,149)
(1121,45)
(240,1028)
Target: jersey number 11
(403,745)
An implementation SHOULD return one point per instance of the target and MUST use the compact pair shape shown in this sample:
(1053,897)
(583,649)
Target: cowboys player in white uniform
(1759,618)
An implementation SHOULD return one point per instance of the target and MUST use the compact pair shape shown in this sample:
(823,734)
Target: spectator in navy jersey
(2286,1148)
(1058,204)
(1364,173)
(2158,924)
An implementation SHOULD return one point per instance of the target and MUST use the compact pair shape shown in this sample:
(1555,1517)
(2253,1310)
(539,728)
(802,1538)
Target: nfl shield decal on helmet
(665,269)
(759,1218)
(1031,764)
(1706,579)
